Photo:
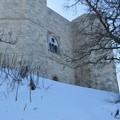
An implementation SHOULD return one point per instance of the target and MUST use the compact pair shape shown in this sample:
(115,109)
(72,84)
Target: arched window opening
(53,45)
(55,78)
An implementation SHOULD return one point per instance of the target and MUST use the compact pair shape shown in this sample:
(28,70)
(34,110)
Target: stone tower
(22,18)
(32,23)
(46,37)
(100,76)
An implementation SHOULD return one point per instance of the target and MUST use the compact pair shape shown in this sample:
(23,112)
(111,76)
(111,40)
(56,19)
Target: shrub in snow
(14,73)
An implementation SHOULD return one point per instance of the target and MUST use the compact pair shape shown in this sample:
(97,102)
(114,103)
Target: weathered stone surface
(30,21)
(100,76)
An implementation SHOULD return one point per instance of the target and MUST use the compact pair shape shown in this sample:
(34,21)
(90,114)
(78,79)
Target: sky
(58,6)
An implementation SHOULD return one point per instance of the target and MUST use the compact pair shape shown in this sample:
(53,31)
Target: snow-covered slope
(56,101)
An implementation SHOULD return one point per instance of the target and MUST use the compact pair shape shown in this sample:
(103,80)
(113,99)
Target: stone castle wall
(100,76)
(31,22)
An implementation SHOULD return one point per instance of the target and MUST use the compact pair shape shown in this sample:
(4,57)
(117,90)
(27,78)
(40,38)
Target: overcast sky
(58,6)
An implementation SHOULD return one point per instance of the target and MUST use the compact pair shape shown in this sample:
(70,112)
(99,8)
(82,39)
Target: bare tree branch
(101,27)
